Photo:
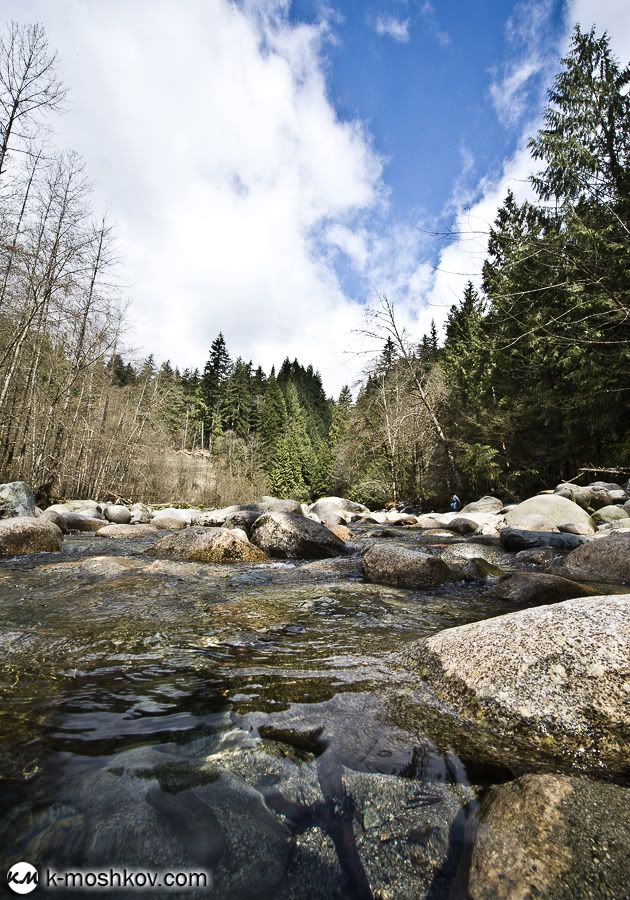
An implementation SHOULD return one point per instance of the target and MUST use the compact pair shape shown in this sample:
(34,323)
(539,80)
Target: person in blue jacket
(456,503)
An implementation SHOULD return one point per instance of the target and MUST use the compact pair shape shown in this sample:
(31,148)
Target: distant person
(456,503)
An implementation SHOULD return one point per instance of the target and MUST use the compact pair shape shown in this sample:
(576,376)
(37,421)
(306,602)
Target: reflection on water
(240,718)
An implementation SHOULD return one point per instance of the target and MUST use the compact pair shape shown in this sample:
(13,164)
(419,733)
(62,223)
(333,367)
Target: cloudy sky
(271,165)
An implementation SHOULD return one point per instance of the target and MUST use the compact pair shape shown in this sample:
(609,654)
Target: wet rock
(140,514)
(543,686)
(403,567)
(291,536)
(341,531)
(118,514)
(341,567)
(16,499)
(217,545)
(127,532)
(604,559)
(173,519)
(609,514)
(486,504)
(57,518)
(551,836)
(26,534)
(554,509)
(531,588)
(515,539)
(541,556)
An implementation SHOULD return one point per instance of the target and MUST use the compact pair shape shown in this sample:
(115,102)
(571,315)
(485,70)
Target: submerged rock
(292,536)
(551,836)
(403,567)
(26,534)
(534,588)
(604,559)
(16,499)
(127,532)
(216,545)
(554,509)
(546,685)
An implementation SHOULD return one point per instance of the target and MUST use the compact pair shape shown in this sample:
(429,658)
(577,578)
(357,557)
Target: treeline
(532,380)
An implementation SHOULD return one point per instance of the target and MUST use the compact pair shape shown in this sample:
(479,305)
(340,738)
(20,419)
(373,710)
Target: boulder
(542,687)
(276,504)
(609,514)
(127,532)
(339,506)
(537,523)
(87,507)
(486,504)
(551,836)
(76,521)
(583,496)
(403,567)
(118,514)
(26,534)
(515,539)
(341,531)
(216,518)
(16,499)
(532,588)
(293,536)
(554,509)
(244,519)
(57,518)
(173,519)
(604,559)
(140,514)
(216,545)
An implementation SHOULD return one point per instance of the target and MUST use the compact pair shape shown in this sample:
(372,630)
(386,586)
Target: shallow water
(237,718)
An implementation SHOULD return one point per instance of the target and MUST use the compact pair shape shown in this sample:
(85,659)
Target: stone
(341,531)
(216,545)
(339,506)
(551,836)
(243,519)
(127,532)
(86,507)
(216,518)
(57,518)
(583,496)
(403,567)
(276,504)
(76,521)
(604,559)
(486,504)
(16,499)
(173,519)
(293,536)
(609,514)
(553,508)
(537,523)
(515,539)
(140,514)
(531,588)
(542,687)
(26,534)
(118,514)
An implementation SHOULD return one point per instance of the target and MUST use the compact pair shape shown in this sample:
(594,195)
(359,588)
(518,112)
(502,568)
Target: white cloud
(389,26)
(509,95)
(429,15)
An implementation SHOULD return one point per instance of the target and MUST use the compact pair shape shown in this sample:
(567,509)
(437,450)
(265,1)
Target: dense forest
(530,380)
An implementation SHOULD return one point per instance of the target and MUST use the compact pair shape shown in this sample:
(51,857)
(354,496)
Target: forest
(529,381)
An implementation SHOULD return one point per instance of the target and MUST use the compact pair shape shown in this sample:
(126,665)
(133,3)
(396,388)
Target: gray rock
(515,539)
(327,506)
(57,518)
(609,514)
(486,504)
(216,545)
(128,532)
(554,509)
(604,559)
(173,519)
(552,836)
(403,567)
(76,521)
(26,534)
(542,687)
(140,514)
(118,514)
(16,499)
(276,504)
(292,536)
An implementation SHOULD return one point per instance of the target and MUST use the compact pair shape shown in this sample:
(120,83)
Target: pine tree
(215,374)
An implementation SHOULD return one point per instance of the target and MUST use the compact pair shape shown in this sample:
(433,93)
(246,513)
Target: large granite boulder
(532,588)
(603,559)
(26,534)
(16,499)
(551,836)
(485,504)
(293,536)
(215,545)
(543,686)
(609,514)
(326,507)
(117,514)
(516,539)
(556,510)
(127,532)
(277,504)
(173,519)
(403,567)
(140,514)
(217,518)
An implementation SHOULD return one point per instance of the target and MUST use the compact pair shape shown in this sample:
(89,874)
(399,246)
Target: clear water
(241,719)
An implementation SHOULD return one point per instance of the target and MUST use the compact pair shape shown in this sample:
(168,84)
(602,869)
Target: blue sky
(265,163)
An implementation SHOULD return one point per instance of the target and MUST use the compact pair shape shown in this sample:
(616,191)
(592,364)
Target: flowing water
(239,720)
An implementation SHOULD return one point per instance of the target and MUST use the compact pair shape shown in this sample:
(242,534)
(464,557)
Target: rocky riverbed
(320,702)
